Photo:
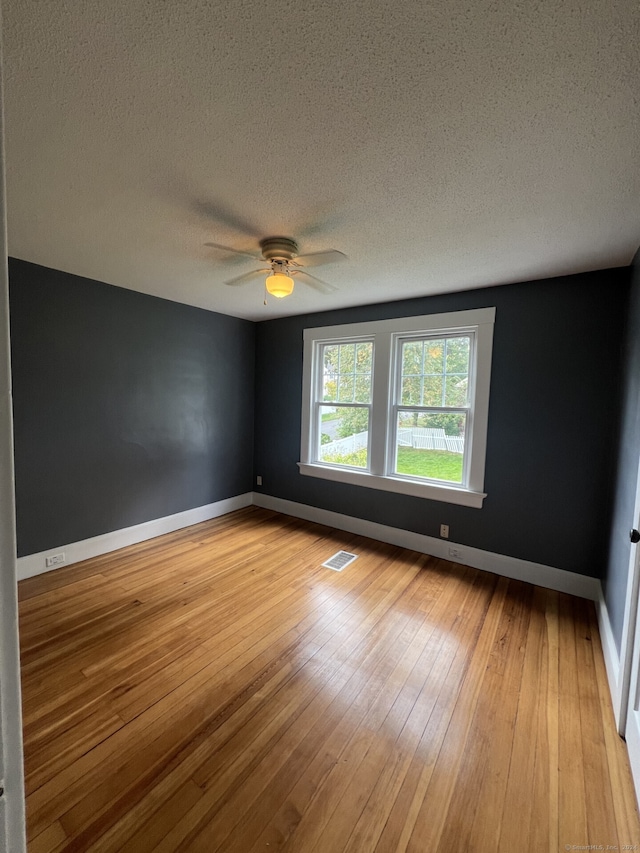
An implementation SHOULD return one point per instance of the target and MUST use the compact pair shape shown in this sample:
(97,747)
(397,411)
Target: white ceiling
(441,145)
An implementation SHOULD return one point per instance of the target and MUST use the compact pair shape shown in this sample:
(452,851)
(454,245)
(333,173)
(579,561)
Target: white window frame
(387,336)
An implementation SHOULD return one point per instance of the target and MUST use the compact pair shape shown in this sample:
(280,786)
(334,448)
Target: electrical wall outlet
(259,480)
(444,531)
(456,553)
(55,560)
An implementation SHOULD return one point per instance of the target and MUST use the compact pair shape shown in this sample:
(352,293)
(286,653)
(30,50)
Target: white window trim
(385,332)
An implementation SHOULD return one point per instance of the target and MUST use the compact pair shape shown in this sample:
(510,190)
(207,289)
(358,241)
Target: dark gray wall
(127,407)
(615,582)
(552,421)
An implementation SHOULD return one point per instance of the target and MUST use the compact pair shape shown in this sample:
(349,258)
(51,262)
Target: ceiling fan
(284,262)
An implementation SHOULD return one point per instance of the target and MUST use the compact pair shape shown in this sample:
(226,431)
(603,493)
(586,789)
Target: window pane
(458,355)
(346,389)
(433,356)
(430,446)
(411,390)
(330,358)
(412,358)
(363,388)
(432,395)
(347,373)
(344,435)
(330,386)
(363,357)
(456,393)
(347,358)
(330,373)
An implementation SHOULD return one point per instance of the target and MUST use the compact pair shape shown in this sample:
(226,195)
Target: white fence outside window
(430,439)
(420,438)
(343,446)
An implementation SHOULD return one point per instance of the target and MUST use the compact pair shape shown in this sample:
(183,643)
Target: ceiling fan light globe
(279,285)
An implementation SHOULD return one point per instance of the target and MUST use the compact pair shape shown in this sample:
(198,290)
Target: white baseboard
(611,659)
(34,564)
(511,567)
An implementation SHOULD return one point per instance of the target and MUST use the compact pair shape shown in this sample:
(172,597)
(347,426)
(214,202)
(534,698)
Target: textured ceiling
(441,145)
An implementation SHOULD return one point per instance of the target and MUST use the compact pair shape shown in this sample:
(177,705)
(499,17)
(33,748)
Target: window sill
(431,491)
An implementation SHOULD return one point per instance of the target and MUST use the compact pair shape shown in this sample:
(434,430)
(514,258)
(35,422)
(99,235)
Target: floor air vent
(340,560)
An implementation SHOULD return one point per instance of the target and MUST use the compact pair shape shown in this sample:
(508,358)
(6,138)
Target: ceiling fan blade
(315,282)
(319,218)
(243,279)
(216,210)
(316,259)
(235,251)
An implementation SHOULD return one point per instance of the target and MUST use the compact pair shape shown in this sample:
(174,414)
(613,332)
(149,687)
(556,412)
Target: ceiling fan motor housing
(278,248)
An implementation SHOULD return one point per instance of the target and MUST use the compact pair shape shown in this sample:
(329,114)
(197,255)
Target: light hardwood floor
(216,689)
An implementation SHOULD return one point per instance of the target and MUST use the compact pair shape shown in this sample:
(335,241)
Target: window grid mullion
(340,405)
(434,410)
(443,396)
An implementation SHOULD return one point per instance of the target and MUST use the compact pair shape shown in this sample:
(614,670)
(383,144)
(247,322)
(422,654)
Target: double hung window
(400,405)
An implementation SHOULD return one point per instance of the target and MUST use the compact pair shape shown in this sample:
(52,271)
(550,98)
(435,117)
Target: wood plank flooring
(216,689)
